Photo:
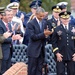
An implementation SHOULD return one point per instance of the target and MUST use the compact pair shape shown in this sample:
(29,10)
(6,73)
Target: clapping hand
(22,17)
(73,57)
(47,32)
(59,57)
(7,34)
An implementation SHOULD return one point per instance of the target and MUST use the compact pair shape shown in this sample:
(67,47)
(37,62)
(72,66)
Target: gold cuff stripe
(55,49)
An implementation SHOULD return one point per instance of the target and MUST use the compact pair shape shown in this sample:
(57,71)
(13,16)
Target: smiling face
(9,15)
(65,21)
(40,15)
(56,14)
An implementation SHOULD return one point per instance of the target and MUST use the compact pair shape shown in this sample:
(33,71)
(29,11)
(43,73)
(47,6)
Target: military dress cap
(2,9)
(63,4)
(35,4)
(56,8)
(65,14)
(14,1)
(13,5)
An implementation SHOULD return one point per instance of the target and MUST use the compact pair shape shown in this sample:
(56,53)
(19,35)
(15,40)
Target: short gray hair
(40,9)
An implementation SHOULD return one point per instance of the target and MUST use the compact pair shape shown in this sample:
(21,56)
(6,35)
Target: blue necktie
(40,24)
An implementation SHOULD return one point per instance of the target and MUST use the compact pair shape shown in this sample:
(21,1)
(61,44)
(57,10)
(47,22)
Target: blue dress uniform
(72,21)
(53,20)
(52,23)
(63,43)
(19,12)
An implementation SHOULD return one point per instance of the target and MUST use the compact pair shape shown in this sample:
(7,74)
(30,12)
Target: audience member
(63,45)
(36,45)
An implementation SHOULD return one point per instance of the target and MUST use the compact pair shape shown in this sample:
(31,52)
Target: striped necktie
(7,27)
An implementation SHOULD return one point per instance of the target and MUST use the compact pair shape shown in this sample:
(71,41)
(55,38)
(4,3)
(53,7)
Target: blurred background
(46,4)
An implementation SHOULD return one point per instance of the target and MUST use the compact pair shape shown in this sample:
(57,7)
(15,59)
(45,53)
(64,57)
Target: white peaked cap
(62,3)
(9,5)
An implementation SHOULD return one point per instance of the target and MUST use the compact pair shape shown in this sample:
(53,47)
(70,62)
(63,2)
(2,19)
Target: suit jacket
(7,42)
(36,39)
(63,41)
(2,38)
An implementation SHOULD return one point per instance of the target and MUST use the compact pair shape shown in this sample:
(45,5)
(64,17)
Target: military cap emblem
(57,7)
(53,25)
(65,13)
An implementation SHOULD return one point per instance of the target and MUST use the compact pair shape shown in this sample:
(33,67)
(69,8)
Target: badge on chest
(59,34)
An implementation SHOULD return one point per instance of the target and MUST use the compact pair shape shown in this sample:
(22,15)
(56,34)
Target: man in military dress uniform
(55,16)
(54,21)
(63,45)
(19,13)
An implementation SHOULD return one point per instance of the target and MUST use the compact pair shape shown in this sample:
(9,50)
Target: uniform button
(67,40)
(67,37)
(67,34)
(67,44)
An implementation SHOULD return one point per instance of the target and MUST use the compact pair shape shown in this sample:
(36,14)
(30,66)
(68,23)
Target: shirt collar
(65,25)
(5,23)
(37,20)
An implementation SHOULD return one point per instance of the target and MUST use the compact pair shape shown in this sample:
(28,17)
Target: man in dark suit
(2,37)
(6,60)
(33,6)
(35,50)
(63,44)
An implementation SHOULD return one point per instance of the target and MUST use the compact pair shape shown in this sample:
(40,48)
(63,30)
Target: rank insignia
(59,32)
(73,30)
(54,25)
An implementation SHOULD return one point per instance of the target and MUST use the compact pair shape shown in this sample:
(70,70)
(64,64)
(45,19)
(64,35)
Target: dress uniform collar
(55,18)
(66,26)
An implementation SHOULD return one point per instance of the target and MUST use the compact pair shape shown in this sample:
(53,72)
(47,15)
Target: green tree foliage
(47,4)
(24,4)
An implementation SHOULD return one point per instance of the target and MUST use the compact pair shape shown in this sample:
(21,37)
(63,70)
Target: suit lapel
(36,24)
(3,25)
